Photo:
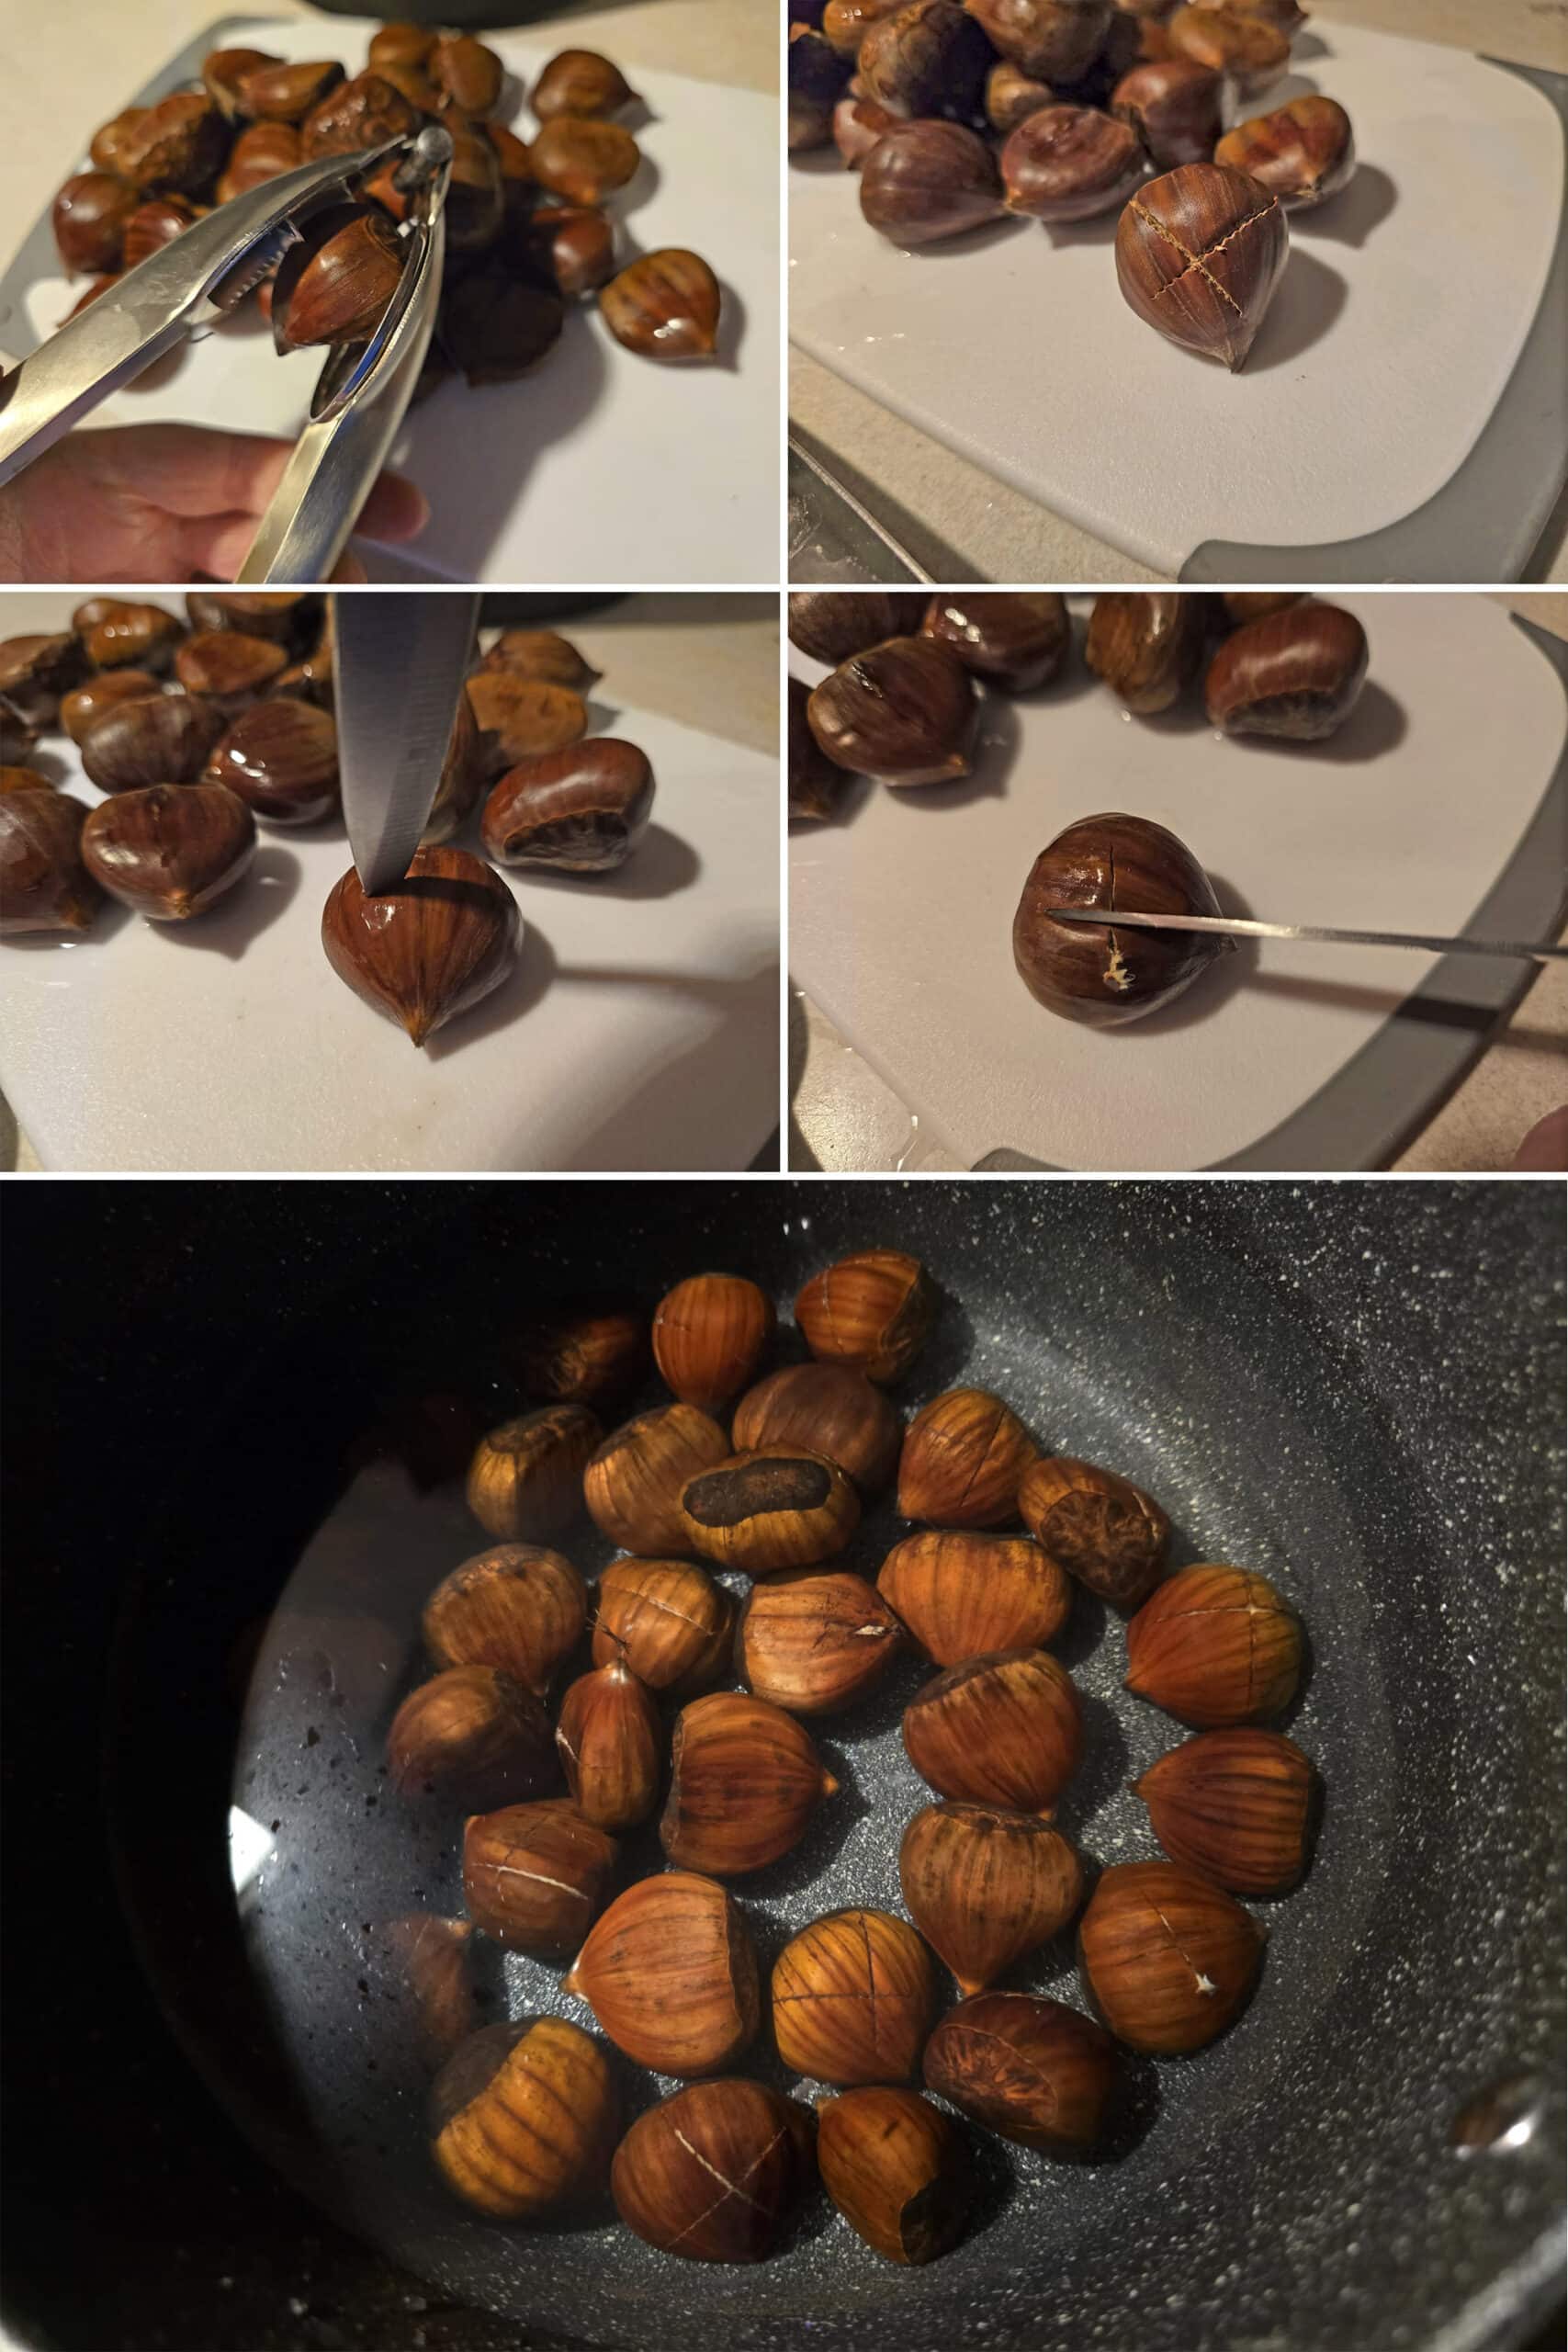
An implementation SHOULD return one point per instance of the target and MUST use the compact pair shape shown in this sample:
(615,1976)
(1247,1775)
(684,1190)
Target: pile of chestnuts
(960,113)
(682,1685)
(901,704)
(195,735)
(529,232)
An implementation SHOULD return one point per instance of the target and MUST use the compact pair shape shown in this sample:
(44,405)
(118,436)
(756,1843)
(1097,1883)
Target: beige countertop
(935,501)
(706,660)
(842,1115)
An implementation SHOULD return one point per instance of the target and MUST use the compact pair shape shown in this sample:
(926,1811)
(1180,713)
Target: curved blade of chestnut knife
(398,667)
(1235,927)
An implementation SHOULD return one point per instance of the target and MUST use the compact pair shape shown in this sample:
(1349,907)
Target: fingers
(350,569)
(395,509)
(191,471)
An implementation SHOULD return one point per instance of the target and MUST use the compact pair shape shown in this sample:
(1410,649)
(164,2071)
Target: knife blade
(398,664)
(1237,927)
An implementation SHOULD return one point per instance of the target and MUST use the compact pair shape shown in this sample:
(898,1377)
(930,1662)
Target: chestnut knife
(400,659)
(1236,927)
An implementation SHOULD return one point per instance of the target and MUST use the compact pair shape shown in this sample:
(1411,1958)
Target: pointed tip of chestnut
(830,1785)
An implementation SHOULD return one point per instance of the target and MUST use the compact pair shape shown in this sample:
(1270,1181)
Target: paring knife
(1235,927)
(398,664)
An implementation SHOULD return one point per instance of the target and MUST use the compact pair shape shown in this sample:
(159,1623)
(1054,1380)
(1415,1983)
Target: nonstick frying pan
(211,1393)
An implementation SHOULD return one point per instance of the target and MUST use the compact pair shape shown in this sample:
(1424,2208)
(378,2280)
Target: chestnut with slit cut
(1029,2068)
(1199,255)
(664,306)
(1305,152)
(177,146)
(1148,645)
(1058,39)
(362,113)
(715,2172)
(579,82)
(1095,973)
(581,810)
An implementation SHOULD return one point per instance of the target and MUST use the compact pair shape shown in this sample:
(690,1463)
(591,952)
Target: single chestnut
(830,1410)
(1014,642)
(1297,674)
(1032,2069)
(44,884)
(845,23)
(476,192)
(962,1458)
(461,780)
(258,154)
(112,140)
(156,223)
(334,286)
(709,1337)
(354,115)
(524,2118)
(1148,645)
(815,786)
(430,1960)
(1248,605)
(473,1736)
(526,1480)
(1235,1807)
(583,1350)
(928,179)
(961,1594)
(582,809)
(177,147)
(400,44)
(36,671)
(1244,45)
(534,1875)
(776,1507)
(1067,162)
(1304,152)
(1215,1646)
(517,717)
(634,1483)
(1095,973)
(1101,1529)
(224,70)
(905,712)
(1199,254)
(1175,108)
(815,1643)
(286,93)
(745,1781)
(893,2164)
(715,2172)
(228,668)
(542,654)
(1169,1958)
(425,951)
(90,220)
(871,1310)
(151,738)
(579,82)
(81,709)
(664,306)
(928,58)
(668,1621)
(1002,1730)
(116,633)
(1058,39)
(1012,95)
(518,1606)
(495,327)
(858,124)
(583,161)
(169,851)
(831,624)
(280,756)
(466,71)
(985,1885)
(670,1972)
(570,247)
(610,1745)
(853,1998)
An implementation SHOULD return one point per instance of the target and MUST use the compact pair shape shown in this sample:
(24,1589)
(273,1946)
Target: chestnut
(894,2165)
(582,809)
(178,146)
(1244,45)
(583,161)
(668,1620)
(517,717)
(1101,1529)
(155,223)
(829,625)
(1199,254)
(400,44)
(526,1479)
(634,1483)
(473,1736)
(1215,1646)
(1058,39)
(542,654)
(1244,605)
(904,712)
(817,74)
(258,154)
(89,217)
(115,634)
(813,1643)
(664,306)
(1304,152)
(745,1781)
(962,1458)
(1012,95)
(432,1961)
(280,756)
(961,1594)
(1016,643)
(13,779)
(582,1351)
(224,70)
(928,179)
(495,328)
(1175,109)
(44,884)
(34,672)
(858,124)
(670,1972)
(570,247)
(986,1884)
(534,1875)
(476,192)
(830,1410)
(929,58)
(228,668)
(1168,1957)
(336,284)
(1297,673)
(709,1337)
(524,2118)
(169,851)
(151,738)
(111,139)
(853,1998)
(814,784)
(1146,645)
(845,23)
(1002,1730)
(610,1745)
(871,1310)
(286,93)
(423,953)
(1068,163)
(290,615)
(1233,1805)
(1032,2069)
(776,1506)
(715,2172)
(466,72)
(361,113)
(1099,974)
(579,82)
(516,1605)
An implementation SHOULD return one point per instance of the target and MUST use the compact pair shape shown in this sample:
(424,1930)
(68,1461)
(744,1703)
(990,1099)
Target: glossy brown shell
(1101,974)
(1199,254)
(431,949)
(582,808)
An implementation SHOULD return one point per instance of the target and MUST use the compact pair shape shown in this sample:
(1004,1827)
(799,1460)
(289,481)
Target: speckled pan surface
(1355,1389)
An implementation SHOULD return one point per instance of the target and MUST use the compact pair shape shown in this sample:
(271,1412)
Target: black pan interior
(1355,1390)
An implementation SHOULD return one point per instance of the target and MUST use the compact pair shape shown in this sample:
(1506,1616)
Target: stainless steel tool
(398,660)
(1238,927)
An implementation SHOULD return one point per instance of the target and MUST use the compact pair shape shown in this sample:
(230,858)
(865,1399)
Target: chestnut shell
(582,809)
(1099,974)
(904,712)
(1017,642)
(928,180)
(831,624)
(1296,673)
(429,949)
(1067,162)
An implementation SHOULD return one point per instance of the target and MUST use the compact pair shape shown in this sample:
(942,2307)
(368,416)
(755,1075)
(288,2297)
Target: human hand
(155,504)
(1545,1149)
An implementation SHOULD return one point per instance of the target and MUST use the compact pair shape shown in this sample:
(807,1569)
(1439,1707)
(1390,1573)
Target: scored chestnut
(745,1779)
(1017,643)
(1199,254)
(1032,2069)
(517,717)
(1101,1529)
(1169,1958)
(357,114)
(905,712)
(830,1410)
(1297,674)
(813,1643)
(962,1458)
(853,1998)
(926,180)
(893,2164)
(517,1606)
(776,1506)
(986,1884)
(473,1736)
(871,1310)
(1233,1805)
(1067,162)
(582,808)
(1095,973)
(709,1337)
(677,2176)
(579,82)
(668,1620)
(534,1875)
(610,1747)
(634,1483)
(44,885)
(1215,1646)
(526,1479)
(1003,1730)
(961,1594)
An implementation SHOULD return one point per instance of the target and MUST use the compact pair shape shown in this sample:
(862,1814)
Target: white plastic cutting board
(639,1032)
(1401,313)
(900,916)
(598,465)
